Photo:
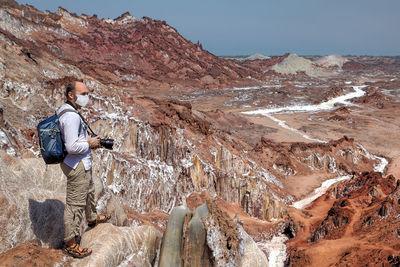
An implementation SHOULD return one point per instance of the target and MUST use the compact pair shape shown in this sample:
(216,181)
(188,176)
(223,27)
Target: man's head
(77,93)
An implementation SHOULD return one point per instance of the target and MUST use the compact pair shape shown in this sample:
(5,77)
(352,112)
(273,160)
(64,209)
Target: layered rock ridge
(125,51)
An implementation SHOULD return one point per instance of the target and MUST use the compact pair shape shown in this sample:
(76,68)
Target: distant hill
(126,51)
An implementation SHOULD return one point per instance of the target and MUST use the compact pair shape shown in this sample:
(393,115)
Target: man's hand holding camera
(94,142)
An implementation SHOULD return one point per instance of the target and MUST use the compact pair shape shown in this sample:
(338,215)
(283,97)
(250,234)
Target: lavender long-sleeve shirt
(76,144)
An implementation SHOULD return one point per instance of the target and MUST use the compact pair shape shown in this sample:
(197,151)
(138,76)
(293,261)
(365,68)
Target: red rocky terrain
(354,223)
(129,52)
(181,140)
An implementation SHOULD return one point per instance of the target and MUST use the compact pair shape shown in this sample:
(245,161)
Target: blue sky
(270,27)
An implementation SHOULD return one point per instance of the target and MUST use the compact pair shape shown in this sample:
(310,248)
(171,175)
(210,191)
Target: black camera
(107,143)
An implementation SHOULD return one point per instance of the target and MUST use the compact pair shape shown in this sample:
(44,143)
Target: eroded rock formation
(207,237)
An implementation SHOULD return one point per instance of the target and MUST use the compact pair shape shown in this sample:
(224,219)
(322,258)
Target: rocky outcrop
(332,226)
(222,235)
(207,237)
(115,246)
(336,156)
(374,98)
(333,92)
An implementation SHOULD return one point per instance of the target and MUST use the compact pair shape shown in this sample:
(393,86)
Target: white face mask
(82,100)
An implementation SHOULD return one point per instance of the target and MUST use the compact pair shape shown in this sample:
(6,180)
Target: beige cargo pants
(80,199)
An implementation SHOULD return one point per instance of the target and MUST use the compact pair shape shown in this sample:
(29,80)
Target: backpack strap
(70,110)
(65,111)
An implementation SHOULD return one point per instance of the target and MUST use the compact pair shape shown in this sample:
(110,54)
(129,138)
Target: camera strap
(83,119)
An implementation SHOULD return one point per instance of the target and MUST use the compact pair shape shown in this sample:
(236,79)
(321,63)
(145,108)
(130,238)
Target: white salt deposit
(255,87)
(301,204)
(284,125)
(382,162)
(327,105)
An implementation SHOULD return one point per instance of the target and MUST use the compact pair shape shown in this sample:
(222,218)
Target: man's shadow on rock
(48,221)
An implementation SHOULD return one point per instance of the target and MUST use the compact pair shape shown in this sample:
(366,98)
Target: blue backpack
(51,143)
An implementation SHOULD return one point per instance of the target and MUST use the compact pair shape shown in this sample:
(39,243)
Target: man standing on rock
(77,166)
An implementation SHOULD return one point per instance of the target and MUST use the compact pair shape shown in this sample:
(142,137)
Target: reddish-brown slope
(356,223)
(134,53)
